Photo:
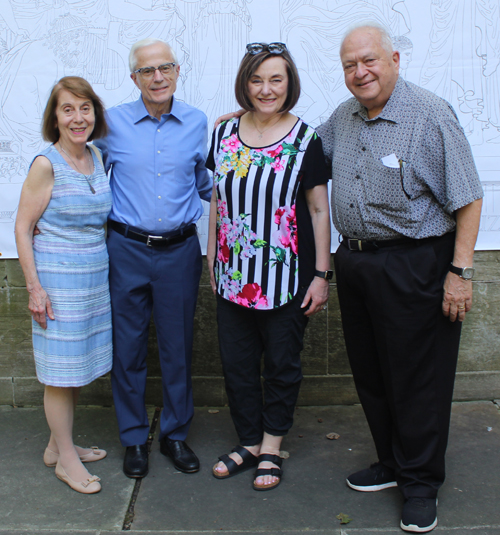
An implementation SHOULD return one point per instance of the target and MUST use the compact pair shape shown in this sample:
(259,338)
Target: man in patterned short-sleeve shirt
(406,198)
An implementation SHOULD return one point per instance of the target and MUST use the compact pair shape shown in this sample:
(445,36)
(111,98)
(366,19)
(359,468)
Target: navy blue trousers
(162,281)
(403,353)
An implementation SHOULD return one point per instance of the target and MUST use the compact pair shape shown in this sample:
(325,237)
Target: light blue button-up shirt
(157,167)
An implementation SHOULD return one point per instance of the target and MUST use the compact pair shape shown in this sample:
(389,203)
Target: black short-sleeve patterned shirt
(264,229)
(402,173)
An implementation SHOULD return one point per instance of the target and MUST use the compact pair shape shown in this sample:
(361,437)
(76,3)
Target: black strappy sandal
(277,472)
(233,468)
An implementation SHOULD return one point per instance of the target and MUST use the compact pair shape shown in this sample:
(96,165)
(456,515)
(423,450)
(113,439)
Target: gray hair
(385,36)
(132,60)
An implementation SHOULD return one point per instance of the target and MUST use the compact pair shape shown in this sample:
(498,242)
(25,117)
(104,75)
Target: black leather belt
(151,240)
(370,245)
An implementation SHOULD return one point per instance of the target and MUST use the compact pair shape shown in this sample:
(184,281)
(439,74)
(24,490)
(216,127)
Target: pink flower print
(251,297)
(286,234)
(222,209)
(231,143)
(278,215)
(278,164)
(222,249)
(276,153)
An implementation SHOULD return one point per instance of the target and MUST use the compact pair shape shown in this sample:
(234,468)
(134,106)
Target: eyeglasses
(149,72)
(273,48)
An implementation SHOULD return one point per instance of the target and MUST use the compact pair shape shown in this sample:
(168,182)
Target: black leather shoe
(135,463)
(183,456)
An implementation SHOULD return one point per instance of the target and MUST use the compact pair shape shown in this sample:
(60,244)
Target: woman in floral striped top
(268,255)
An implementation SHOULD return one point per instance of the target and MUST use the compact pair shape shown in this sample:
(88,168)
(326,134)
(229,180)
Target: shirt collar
(392,110)
(140,111)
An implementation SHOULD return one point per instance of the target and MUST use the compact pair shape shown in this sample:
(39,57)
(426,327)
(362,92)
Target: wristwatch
(466,272)
(327,275)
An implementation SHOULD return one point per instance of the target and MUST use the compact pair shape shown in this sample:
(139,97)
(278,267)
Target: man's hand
(457,297)
(317,295)
(228,116)
(40,306)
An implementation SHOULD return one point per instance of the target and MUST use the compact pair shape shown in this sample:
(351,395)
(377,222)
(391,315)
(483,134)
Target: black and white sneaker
(419,515)
(377,477)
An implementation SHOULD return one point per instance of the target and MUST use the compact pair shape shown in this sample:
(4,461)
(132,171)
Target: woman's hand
(316,296)
(317,202)
(40,306)
(35,197)
(210,263)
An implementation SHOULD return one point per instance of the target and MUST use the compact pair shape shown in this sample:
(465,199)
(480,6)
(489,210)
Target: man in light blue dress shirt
(156,150)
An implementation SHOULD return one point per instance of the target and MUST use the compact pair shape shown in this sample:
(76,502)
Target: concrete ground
(312,494)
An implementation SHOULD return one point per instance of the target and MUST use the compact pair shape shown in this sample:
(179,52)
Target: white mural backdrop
(451,47)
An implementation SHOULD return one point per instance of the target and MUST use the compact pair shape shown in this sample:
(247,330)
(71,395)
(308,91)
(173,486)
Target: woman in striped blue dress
(67,196)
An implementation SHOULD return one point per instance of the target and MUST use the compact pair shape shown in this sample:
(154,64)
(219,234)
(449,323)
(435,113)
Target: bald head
(371,67)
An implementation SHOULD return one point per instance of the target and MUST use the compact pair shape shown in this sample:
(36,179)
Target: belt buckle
(150,237)
(358,244)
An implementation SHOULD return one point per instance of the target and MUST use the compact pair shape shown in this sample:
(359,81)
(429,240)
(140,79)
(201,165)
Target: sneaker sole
(372,488)
(417,529)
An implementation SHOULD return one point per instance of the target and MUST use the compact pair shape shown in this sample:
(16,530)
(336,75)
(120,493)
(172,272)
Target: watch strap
(327,275)
(465,272)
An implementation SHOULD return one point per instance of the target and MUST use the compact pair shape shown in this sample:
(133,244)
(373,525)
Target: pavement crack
(130,513)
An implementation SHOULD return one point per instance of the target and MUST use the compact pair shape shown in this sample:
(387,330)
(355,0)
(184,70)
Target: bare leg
(59,410)
(221,467)
(270,444)
(52,445)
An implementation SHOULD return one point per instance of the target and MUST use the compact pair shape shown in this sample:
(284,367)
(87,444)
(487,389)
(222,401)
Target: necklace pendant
(92,188)
(260,136)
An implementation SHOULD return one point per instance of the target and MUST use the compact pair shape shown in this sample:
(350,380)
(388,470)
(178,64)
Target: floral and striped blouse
(263,224)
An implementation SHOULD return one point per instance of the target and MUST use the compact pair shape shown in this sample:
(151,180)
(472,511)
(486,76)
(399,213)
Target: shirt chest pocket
(388,188)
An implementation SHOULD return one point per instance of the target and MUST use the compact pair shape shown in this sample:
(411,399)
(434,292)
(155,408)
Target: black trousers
(244,336)
(403,354)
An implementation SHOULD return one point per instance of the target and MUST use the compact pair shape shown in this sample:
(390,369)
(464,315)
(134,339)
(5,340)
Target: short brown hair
(250,63)
(82,89)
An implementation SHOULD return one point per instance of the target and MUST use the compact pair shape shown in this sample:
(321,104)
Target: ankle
(254,450)
(270,451)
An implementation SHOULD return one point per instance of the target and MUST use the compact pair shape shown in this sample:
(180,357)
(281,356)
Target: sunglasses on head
(273,48)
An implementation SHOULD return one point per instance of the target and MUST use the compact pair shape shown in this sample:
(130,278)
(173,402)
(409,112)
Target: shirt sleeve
(446,142)
(314,169)
(326,132)
(102,145)
(203,177)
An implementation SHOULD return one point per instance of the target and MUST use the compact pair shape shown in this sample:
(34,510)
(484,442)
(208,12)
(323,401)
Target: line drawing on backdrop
(451,47)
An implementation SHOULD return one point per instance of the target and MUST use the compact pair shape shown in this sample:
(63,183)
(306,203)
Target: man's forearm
(468,219)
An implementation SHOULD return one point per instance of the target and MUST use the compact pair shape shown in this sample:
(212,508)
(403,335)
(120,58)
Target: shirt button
(358,177)
(159,196)
(159,219)
(159,174)
(158,152)
(363,148)
(158,130)
(355,233)
(351,205)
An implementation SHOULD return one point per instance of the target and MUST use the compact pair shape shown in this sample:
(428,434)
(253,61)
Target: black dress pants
(244,336)
(403,354)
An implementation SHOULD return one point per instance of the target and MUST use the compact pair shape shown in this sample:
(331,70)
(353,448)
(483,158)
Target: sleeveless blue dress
(72,264)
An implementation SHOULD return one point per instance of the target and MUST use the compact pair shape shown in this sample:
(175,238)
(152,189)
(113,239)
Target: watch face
(468,273)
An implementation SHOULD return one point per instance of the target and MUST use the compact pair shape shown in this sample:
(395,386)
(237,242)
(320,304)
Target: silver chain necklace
(87,177)
(261,132)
